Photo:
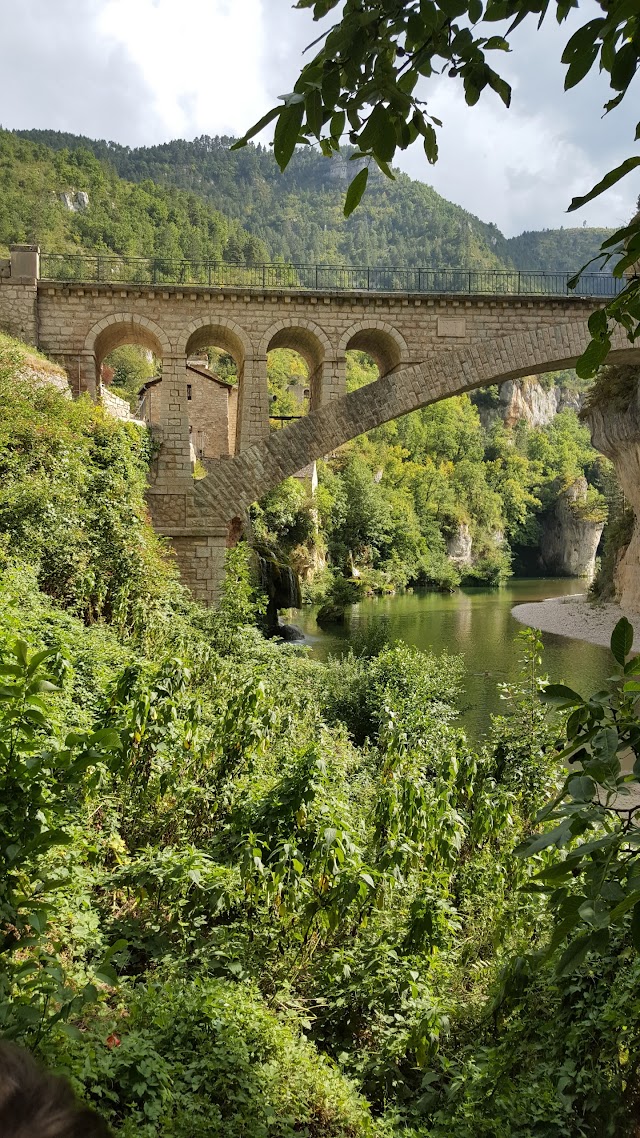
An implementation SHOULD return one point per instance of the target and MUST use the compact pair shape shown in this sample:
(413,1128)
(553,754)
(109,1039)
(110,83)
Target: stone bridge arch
(311,342)
(124,328)
(112,332)
(452,372)
(380,340)
(221,331)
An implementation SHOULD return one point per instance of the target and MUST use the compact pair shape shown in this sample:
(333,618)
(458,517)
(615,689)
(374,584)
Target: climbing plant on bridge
(361,86)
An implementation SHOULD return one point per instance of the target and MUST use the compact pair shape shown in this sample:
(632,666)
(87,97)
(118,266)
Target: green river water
(476,623)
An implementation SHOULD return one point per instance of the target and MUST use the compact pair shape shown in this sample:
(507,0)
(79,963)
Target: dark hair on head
(36,1104)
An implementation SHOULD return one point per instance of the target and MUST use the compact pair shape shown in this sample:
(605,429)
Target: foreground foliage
(244,892)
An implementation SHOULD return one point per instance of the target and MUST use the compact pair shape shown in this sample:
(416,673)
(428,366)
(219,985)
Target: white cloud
(520,170)
(200,59)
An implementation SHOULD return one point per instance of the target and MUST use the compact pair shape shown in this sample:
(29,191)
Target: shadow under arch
(222,333)
(381,341)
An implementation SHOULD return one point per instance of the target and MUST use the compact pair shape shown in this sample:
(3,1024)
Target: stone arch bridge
(427,346)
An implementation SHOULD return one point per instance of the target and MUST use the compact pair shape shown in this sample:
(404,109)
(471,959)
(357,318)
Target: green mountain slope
(122,217)
(298,214)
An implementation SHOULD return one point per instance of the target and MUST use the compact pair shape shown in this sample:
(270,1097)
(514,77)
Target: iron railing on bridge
(93,268)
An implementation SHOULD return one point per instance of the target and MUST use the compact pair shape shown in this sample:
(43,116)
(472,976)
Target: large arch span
(232,486)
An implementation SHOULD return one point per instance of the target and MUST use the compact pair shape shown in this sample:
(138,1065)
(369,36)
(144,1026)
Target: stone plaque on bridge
(452,326)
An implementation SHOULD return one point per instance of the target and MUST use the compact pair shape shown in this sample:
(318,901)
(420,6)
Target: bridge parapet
(99,269)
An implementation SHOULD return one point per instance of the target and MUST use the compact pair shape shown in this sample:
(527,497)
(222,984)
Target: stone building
(212,408)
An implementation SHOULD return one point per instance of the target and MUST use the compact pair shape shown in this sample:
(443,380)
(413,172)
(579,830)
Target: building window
(189,392)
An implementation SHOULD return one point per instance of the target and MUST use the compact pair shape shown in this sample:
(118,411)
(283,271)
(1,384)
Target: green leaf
(593,356)
(581,788)
(430,143)
(287,132)
(609,180)
(107,739)
(45,685)
(39,659)
(561,696)
(624,67)
(582,40)
(623,907)
(622,640)
(379,133)
(500,86)
(356,190)
(256,128)
(105,974)
(337,124)
(635,927)
(598,324)
(313,108)
(542,841)
(574,954)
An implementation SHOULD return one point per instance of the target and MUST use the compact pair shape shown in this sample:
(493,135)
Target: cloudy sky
(145,71)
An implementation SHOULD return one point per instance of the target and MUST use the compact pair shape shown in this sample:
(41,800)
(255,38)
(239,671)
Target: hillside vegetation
(131,219)
(391,502)
(243,892)
(295,216)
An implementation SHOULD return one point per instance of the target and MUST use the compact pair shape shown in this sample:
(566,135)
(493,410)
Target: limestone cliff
(527,399)
(613,415)
(459,546)
(570,535)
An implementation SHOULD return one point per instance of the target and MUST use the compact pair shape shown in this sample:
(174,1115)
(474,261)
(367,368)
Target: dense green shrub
(208,1058)
(72,501)
(238,883)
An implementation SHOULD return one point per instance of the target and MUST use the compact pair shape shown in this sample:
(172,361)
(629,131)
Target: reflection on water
(476,623)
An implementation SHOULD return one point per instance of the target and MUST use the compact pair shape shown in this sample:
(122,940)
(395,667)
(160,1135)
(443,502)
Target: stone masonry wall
(18,310)
(115,405)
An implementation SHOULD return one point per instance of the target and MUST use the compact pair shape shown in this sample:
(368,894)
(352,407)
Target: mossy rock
(331,614)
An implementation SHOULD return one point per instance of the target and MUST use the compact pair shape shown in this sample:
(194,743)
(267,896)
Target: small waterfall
(277,579)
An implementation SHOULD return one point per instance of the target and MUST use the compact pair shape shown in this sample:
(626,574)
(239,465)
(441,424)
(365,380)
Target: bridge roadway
(427,347)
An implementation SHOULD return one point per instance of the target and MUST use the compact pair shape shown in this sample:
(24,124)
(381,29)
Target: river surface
(477,624)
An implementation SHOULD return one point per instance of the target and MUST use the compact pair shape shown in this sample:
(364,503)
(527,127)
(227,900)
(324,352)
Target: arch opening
(361,369)
(128,358)
(288,384)
(296,344)
(122,332)
(215,359)
(381,345)
(218,343)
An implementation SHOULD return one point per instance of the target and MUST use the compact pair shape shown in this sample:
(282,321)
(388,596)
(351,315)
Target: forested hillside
(40,202)
(244,893)
(298,214)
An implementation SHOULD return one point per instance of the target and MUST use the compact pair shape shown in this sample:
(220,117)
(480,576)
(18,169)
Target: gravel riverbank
(577,617)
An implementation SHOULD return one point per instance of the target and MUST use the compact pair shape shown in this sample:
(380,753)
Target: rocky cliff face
(570,539)
(527,399)
(615,431)
(459,546)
